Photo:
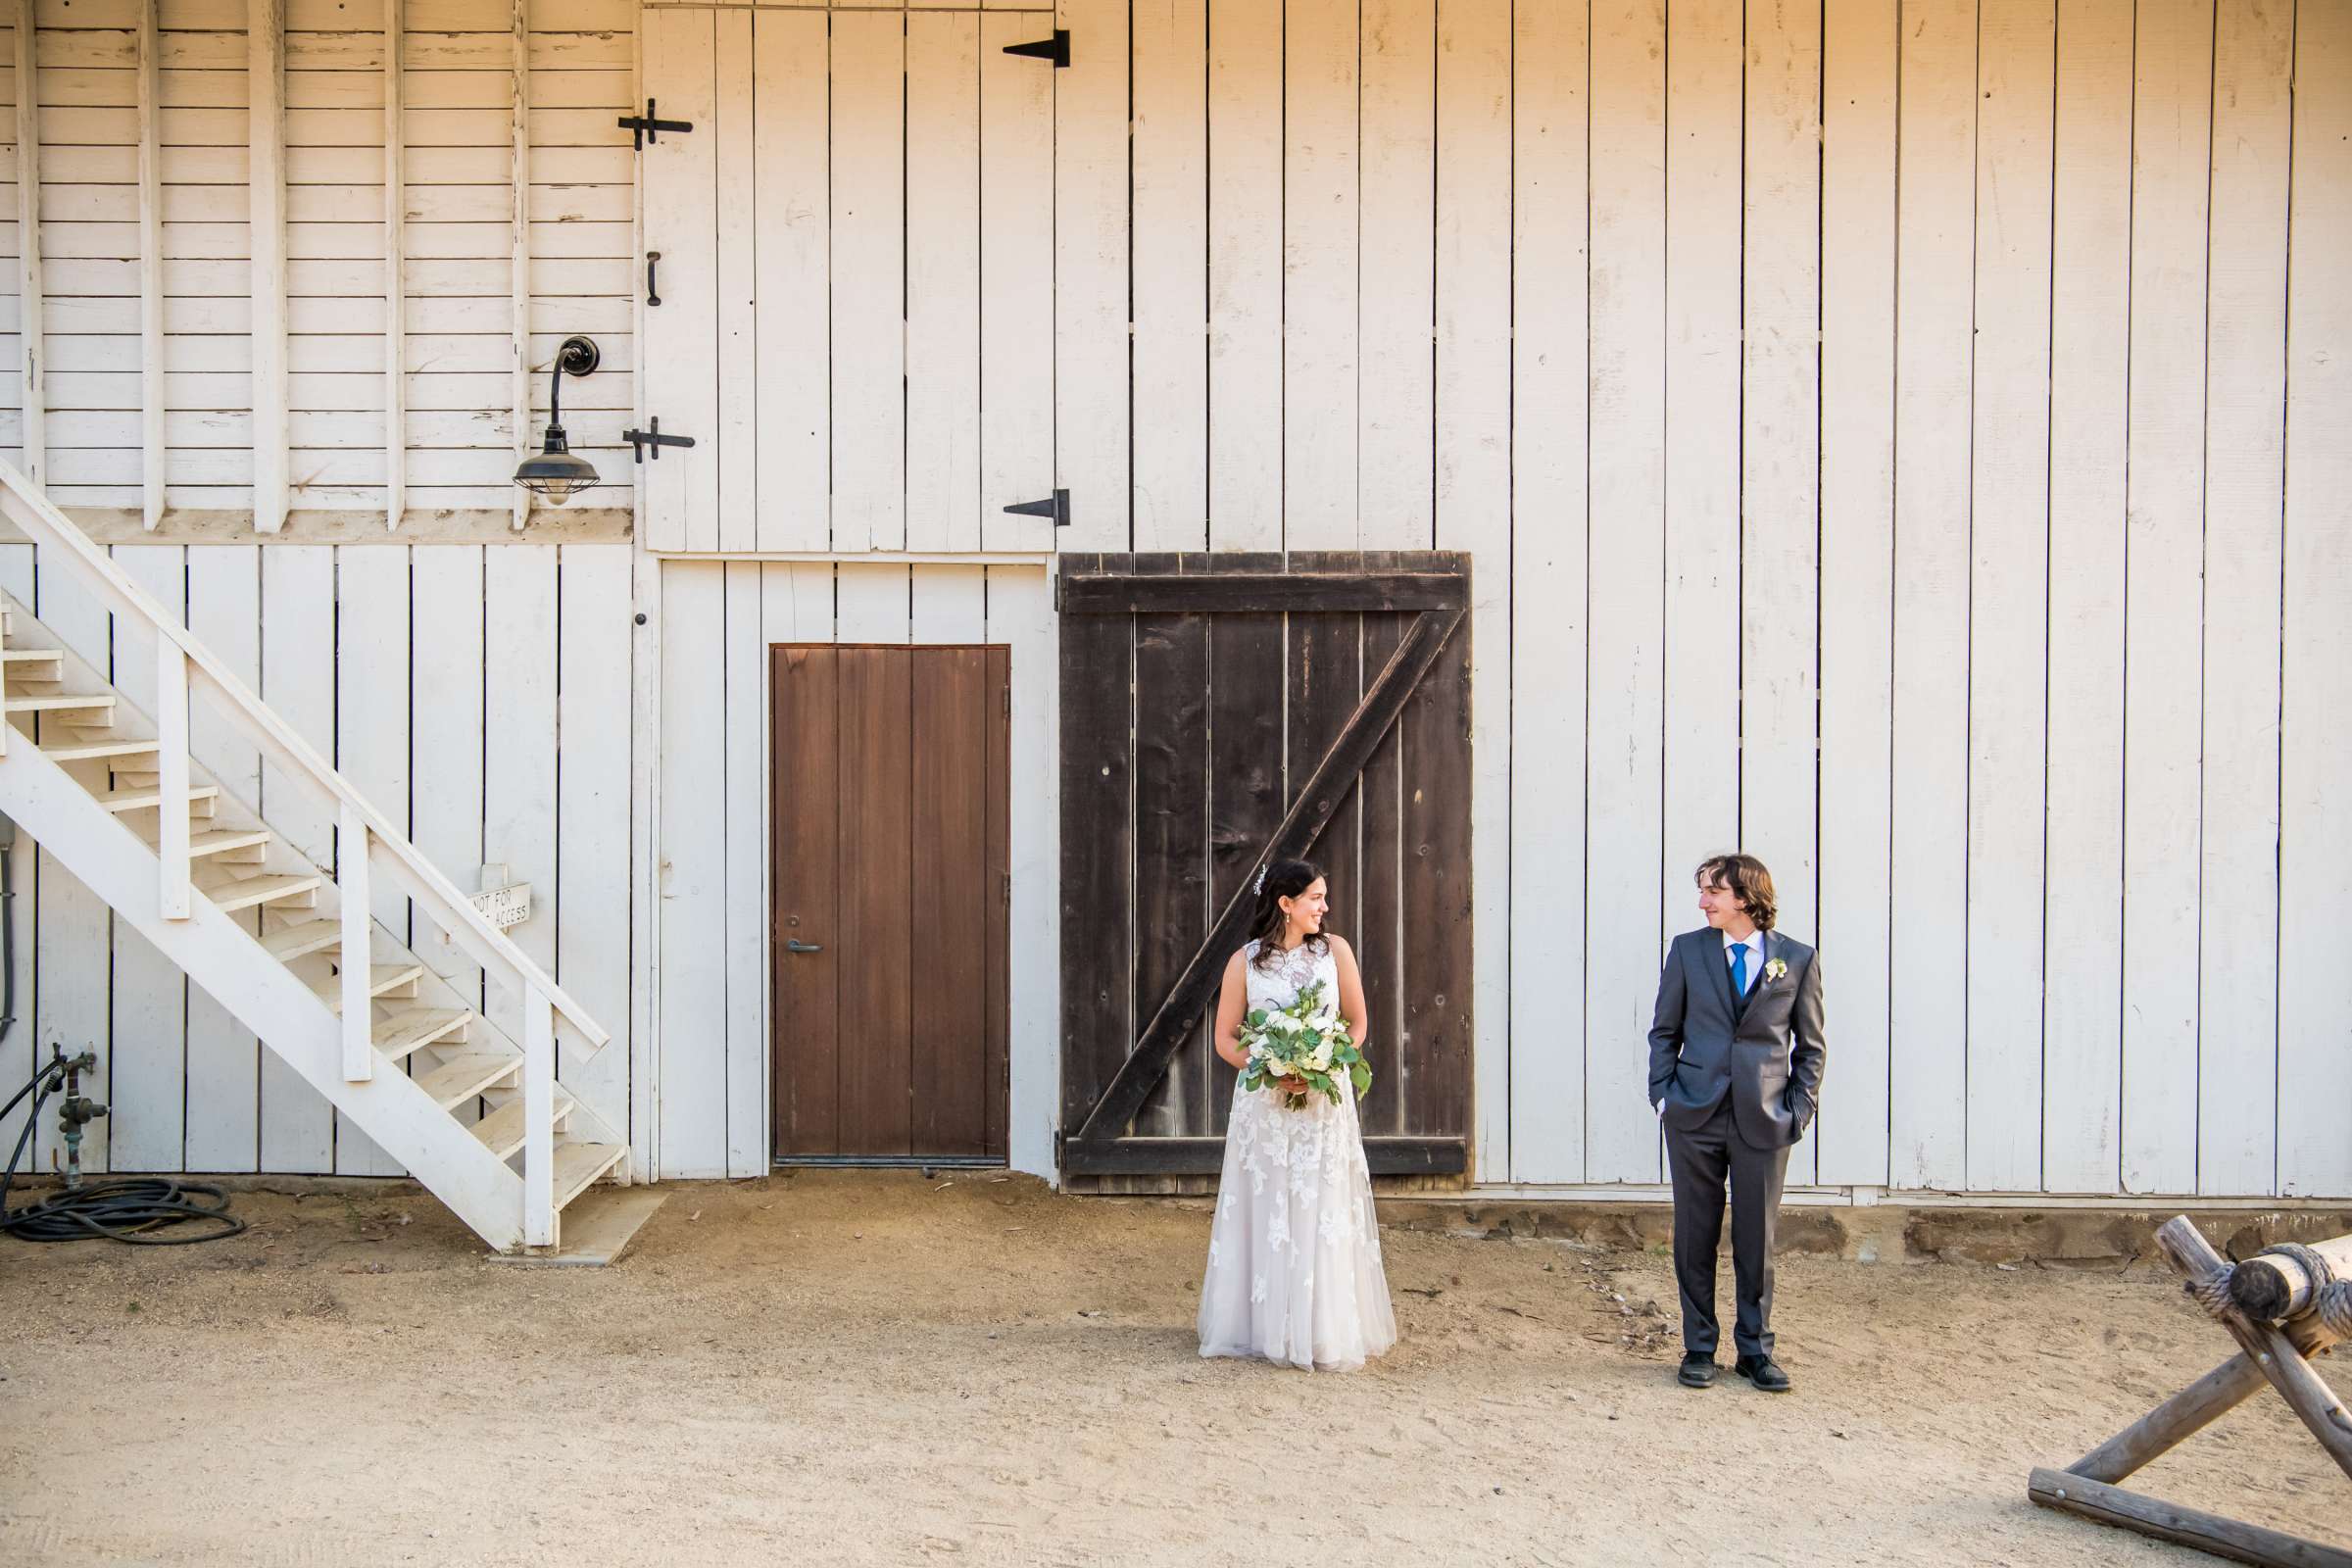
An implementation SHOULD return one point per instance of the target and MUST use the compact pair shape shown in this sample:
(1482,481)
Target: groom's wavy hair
(1284,879)
(1748,881)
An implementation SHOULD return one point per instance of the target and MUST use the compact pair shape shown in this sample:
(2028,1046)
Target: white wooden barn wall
(160,178)
(1892,437)
(711,960)
(439,679)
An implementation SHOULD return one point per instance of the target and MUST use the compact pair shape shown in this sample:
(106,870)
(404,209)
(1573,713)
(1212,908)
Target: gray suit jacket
(1765,1051)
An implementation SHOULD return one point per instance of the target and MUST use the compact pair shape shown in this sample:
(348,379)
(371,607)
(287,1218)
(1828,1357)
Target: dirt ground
(873,1368)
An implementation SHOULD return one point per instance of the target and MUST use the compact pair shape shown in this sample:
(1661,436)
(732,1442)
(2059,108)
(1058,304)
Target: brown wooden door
(889,881)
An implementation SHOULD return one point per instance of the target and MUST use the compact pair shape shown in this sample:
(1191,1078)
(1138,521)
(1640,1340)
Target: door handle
(652,259)
(796,944)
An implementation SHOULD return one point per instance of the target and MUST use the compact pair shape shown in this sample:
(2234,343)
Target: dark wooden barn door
(1219,711)
(889,878)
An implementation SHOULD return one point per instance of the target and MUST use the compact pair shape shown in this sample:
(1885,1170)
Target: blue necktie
(1739,967)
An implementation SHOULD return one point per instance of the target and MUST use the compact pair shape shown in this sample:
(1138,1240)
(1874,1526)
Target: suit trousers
(1701,1160)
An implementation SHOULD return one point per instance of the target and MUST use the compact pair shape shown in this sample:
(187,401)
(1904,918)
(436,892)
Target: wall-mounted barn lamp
(555,472)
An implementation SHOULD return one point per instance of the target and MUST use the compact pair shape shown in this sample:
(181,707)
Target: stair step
(225,841)
(385,977)
(244,894)
(302,939)
(11,658)
(501,1131)
(580,1164)
(411,1029)
(101,701)
(82,751)
(465,1076)
(149,796)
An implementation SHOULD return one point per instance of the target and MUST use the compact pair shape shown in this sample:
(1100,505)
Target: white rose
(1321,1059)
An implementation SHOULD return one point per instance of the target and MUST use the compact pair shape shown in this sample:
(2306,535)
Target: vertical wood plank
(19,1051)
(1320,126)
(1857,568)
(374,634)
(32,307)
(224,1073)
(1440,1065)
(790,279)
(1779,451)
(1702,428)
(997,714)
(1473,500)
(592,813)
(1017,441)
(1247,684)
(297,620)
(1172,788)
(1245,274)
(678,495)
(733,132)
(748,1140)
(1936,174)
(1624,850)
(265,138)
(1095,661)
(1325,678)
(2237,937)
(873,603)
(868,271)
(949,722)
(948,603)
(1550,63)
(1380,937)
(1397,310)
(692,1106)
(396,288)
(1021,616)
(519,320)
(2171,95)
(72,942)
(2089,348)
(875,788)
(149,1002)
(1170,258)
(447,677)
(151,268)
(2008,591)
(2316,834)
(805,851)
(1087,163)
(942,282)
(520,743)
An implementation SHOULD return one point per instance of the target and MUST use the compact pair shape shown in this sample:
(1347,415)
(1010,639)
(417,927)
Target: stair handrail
(29,507)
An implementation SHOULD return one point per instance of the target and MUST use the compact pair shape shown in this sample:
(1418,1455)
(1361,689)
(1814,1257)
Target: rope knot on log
(2285,1280)
(2212,1291)
(2335,1310)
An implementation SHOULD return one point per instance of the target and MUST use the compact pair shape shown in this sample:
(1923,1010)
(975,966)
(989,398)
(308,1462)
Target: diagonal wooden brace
(1374,717)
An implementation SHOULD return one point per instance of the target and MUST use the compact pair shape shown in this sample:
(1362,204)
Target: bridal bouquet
(1308,1040)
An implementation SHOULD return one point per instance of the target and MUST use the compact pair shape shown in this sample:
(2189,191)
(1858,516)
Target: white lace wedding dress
(1294,1257)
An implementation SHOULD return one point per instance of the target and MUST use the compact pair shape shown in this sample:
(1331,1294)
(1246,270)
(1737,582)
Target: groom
(1735,1053)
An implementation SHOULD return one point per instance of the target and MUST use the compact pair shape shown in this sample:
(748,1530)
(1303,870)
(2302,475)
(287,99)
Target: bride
(1294,1257)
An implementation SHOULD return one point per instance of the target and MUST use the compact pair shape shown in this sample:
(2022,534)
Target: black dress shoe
(1698,1372)
(1764,1372)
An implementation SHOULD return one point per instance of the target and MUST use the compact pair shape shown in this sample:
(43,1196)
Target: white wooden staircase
(113,794)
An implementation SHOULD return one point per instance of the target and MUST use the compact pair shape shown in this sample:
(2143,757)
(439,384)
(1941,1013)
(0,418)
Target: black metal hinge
(1055,506)
(639,440)
(1055,49)
(644,127)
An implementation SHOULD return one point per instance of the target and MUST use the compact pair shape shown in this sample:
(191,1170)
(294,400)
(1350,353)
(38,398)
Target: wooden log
(2311,1399)
(2271,1286)
(2095,1500)
(2202,1402)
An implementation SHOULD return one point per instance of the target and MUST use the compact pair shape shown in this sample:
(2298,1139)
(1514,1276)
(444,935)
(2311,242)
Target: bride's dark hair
(1283,879)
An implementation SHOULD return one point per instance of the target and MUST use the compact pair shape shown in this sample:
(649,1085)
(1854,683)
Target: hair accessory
(1260,887)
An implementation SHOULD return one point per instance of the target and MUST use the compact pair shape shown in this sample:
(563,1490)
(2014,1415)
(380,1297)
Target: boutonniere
(1775,969)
